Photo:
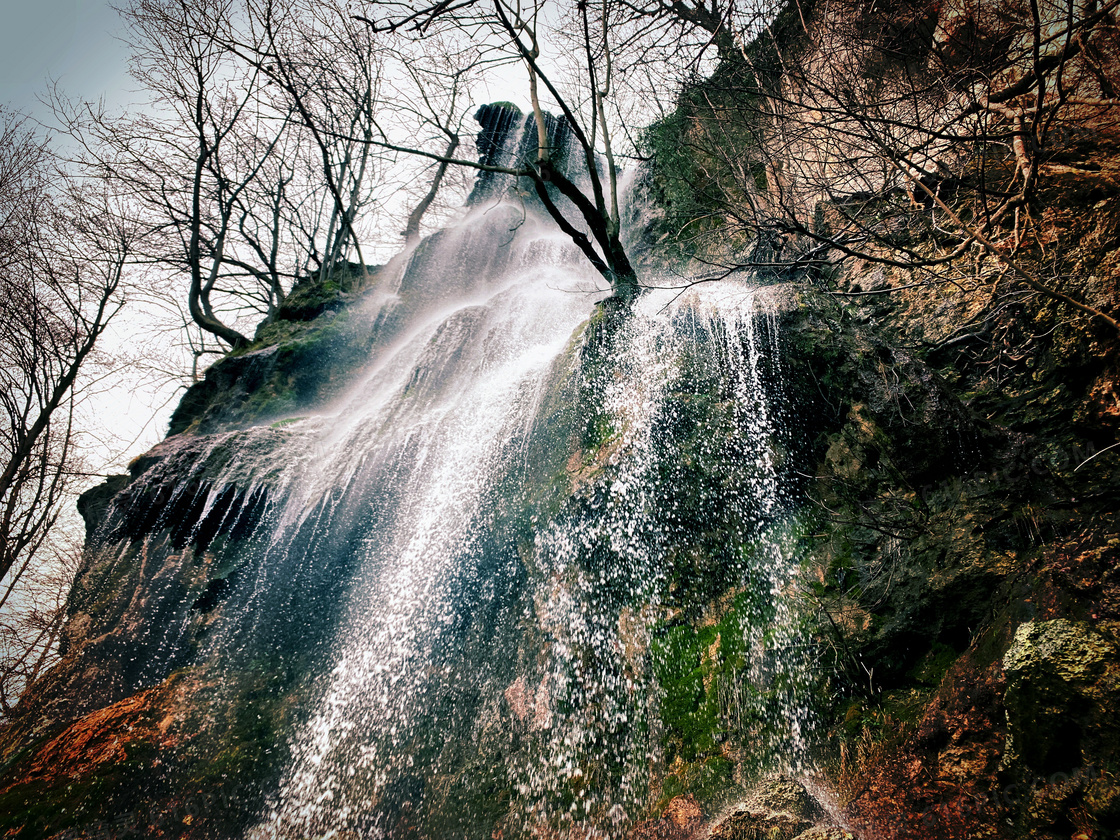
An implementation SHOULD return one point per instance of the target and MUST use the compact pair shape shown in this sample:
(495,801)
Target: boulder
(825,833)
(778,808)
(1062,683)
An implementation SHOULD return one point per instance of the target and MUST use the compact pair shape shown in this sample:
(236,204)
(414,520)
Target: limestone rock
(1062,678)
(779,808)
(1066,651)
(823,833)
(782,793)
(753,824)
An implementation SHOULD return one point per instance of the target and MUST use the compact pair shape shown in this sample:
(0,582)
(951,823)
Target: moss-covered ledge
(302,355)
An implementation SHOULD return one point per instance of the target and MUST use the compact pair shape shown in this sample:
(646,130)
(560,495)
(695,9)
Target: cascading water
(682,498)
(442,429)
(560,696)
(504,555)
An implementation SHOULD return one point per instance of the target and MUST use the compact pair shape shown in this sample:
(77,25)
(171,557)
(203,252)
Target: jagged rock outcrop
(776,808)
(779,808)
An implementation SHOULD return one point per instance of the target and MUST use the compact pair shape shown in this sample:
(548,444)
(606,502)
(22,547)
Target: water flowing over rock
(491,558)
(495,652)
(466,547)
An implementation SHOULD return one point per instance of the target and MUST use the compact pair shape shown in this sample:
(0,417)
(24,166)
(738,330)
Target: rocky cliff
(949,491)
(962,564)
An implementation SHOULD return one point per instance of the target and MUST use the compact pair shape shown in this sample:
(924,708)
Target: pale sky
(76,43)
(70,40)
(73,42)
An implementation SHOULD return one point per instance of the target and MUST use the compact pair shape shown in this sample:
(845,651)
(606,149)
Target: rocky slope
(954,448)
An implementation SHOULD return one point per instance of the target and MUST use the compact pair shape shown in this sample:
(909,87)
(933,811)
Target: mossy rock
(777,807)
(296,366)
(1063,681)
(311,296)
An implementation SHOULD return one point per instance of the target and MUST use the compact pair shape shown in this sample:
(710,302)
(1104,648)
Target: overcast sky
(73,41)
(70,40)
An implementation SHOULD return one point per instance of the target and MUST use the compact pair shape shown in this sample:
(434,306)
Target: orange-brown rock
(110,735)
(682,819)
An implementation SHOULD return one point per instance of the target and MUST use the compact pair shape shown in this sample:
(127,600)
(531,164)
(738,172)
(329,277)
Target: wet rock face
(499,124)
(970,551)
(822,833)
(496,121)
(302,355)
(782,793)
(1019,738)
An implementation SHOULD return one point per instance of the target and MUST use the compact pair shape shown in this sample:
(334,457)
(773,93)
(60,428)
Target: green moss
(888,719)
(691,666)
(303,356)
(256,708)
(688,714)
(710,781)
(902,706)
(599,432)
(240,748)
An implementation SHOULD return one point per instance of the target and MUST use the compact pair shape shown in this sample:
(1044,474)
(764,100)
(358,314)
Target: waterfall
(465,633)
(439,432)
(532,544)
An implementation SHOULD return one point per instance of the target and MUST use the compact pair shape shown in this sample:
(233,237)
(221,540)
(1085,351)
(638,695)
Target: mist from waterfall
(499,558)
(457,636)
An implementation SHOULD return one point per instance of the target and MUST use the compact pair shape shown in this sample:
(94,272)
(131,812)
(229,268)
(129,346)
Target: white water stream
(500,599)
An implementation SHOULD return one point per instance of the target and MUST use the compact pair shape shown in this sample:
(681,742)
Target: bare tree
(176,55)
(172,162)
(330,73)
(811,132)
(582,200)
(441,79)
(32,616)
(62,256)
(215,168)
